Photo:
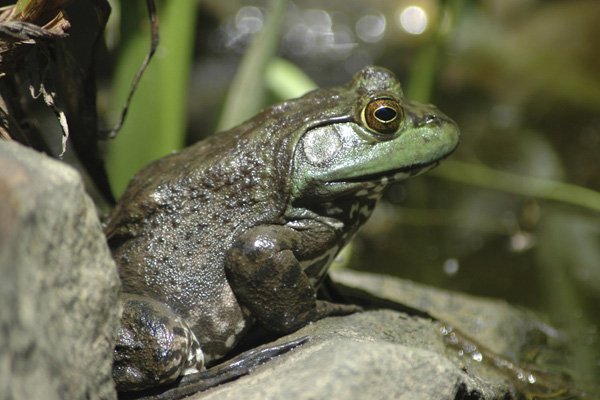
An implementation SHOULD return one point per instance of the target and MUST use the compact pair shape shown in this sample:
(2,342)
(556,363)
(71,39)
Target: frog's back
(171,231)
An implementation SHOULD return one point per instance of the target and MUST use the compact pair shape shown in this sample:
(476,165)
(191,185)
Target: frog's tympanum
(240,228)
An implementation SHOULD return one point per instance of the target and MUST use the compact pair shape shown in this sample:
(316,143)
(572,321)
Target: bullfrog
(240,228)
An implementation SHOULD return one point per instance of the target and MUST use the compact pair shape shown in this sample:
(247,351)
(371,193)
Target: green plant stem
(423,71)
(547,189)
(425,65)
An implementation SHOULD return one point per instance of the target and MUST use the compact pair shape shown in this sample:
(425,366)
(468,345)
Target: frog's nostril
(429,118)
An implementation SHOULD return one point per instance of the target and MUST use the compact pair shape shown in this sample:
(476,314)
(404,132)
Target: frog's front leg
(154,345)
(264,270)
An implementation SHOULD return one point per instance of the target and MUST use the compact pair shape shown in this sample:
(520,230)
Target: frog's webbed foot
(154,345)
(228,371)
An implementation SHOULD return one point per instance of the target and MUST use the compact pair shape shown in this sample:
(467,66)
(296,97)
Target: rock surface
(386,354)
(59,286)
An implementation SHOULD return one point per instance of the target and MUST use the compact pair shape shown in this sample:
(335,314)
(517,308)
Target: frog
(239,229)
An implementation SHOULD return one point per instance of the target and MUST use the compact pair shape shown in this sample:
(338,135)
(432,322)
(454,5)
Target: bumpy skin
(242,226)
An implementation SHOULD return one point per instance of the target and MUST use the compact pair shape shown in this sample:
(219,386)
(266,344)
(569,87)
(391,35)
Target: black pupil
(385,114)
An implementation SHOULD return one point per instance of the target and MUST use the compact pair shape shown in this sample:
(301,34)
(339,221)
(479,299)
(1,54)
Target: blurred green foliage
(156,122)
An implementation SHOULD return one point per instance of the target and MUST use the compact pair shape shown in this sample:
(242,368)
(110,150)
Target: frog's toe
(195,361)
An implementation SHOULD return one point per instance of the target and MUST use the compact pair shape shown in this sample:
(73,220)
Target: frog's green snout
(449,129)
(437,131)
(430,117)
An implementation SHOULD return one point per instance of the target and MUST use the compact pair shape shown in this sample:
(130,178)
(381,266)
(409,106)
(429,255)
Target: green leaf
(247,91)
(425,66)
(286,80)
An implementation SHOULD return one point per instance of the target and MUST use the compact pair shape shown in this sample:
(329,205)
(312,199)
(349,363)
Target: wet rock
(385,354)
(58,285)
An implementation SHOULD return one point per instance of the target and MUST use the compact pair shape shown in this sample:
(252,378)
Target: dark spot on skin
(291,277)
(264,274)
(178,331)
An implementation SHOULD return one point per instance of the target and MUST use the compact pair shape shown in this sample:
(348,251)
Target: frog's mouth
(393,175)
(397,174)
(373,183)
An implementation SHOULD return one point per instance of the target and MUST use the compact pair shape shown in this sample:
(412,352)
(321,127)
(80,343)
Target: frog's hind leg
(155,346)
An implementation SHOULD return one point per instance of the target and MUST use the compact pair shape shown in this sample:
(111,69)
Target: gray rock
(371,355)
(58,285)
(386,354)
(503,328)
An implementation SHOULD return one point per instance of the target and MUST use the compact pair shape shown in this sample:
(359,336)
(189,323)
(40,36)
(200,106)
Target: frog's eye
(383,115)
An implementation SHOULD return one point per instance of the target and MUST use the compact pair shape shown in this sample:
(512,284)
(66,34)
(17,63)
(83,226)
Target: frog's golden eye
(383,115)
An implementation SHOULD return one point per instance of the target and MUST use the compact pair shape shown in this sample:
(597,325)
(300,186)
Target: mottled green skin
(241,226)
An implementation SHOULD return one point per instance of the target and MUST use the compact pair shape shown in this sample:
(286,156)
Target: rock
(59,285)
(377,354)
(386,354)
(503,328)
